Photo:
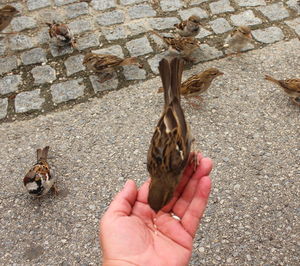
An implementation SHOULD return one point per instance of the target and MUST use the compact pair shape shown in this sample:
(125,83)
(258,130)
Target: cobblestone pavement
(36,78)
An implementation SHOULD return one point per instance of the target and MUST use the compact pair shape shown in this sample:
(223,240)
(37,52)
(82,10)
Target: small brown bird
(239,38)
(106,64)
(6,15)
(182,46)
(40,178)
(61,34)
(189,27)
(170,146)
(290,86)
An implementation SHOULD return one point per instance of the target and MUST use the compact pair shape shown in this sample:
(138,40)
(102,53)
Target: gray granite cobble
(114,50)
(245,18)
(130,2)
(103,4)
(139,47)
(64,2)
(154,61)
(134,73)
(171,5)
(163,23)
(23,23)
(185,14)
(294,4)
(250,3)
(77,9)
(3,108)
(43,74)
(59,51)
(87,41)
(43,37)
(28,100)
(10,84)
(274,12)
(116,33)
(268,35)
(74,64)
(294,24)
(8,63)
(203,33)
(221,6)
(37,4)
(80,26)
(141,11)
(3,46)
(110,84)
(136,27)
(220,25)
(197,2)
(21,42)
(65,91)
(34,56)
(110,18)
(205,53)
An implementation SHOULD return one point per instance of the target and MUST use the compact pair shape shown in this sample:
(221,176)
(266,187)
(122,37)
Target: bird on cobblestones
(105,64)
(6,15)
(182,46)
(40,178)
(189,27)
(61,34)
(290,86)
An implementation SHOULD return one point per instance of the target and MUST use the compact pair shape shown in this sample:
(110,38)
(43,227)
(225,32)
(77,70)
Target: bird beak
(221,73)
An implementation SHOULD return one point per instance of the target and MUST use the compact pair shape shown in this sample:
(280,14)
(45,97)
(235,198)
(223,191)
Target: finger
(195,210)
(124,200)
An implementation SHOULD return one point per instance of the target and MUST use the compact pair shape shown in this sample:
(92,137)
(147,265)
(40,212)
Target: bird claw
(55,190)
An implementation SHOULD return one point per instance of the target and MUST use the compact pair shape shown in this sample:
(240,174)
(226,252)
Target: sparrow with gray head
(189,27)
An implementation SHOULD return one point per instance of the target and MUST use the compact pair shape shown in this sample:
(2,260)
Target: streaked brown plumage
(6,15)
(240,37)
(189,27)
(171,142)
(61,34)
(290,86)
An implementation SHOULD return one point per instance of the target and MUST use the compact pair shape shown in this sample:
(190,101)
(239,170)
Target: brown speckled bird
(106,64)
(239,38)
(6,15)
(189,27)
(61,34)
(170,146)
(290,86)
(40,178)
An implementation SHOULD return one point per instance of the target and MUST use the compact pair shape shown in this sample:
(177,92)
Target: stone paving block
(76,10)
(205,53)
(3,108)
(114,50)
(203,33)
(74,64)
(87,41)
(221,6)
(10,84)
(36,4)
(3,46)
(8,63)
(20,42)
(185,14)
(43,74)
(65,91)
(154,61)
(110,84)
(141,11)
(250,2)
(268,35)
(110,18)
(130,2)
(294,4)
(274,12)
(294,24)
(80,26)
(134,72)
(163,23)
(197,2)
(64,2)
(103,4)
(139,47)
(28,100)
(245,18)
(50,15)
(171,5)
(34,56)
(136,27)
(220,25)
(116,33)
(43,36)
(59,51)
(23,23)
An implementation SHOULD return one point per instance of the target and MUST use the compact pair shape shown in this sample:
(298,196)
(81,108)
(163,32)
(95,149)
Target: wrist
(116,262)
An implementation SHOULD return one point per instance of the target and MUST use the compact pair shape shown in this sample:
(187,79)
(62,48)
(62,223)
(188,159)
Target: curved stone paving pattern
(36,78)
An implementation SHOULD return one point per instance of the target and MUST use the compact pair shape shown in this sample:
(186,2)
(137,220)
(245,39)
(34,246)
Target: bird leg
(54,189)
(297,102)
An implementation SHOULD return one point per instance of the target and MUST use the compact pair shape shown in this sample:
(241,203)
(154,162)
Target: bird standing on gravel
(61,34)
(6,15)
(40,179)
(170,145)
(290,86)
(189,27)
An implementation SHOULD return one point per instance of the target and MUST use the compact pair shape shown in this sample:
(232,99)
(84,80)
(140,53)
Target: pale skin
(131,233)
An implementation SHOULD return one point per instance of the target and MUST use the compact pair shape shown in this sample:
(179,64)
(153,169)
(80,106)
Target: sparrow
(182,46)
(239,38)
(40,179)
(6,15)
(290,86)
(106,64)
(189,27)
(170,146)
(61,34)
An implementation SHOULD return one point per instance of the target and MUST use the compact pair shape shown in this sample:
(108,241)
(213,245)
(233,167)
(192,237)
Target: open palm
(131,233)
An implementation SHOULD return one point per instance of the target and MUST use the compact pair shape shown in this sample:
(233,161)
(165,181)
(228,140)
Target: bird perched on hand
(106,64)
(61,34)
(170,146)
(239,38)
(182,46)
(189,27)
(290,86)
(6,15)
(40,178)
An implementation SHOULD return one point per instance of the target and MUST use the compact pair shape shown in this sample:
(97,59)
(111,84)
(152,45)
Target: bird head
(195,19)
(212,73)
(9,10)
(245,31)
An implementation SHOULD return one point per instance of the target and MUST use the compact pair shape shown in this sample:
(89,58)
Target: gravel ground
(246,125)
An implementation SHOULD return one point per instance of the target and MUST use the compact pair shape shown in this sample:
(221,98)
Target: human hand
(131,233)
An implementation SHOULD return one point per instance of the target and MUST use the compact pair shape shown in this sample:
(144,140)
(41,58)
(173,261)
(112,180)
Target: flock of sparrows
(170,146)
